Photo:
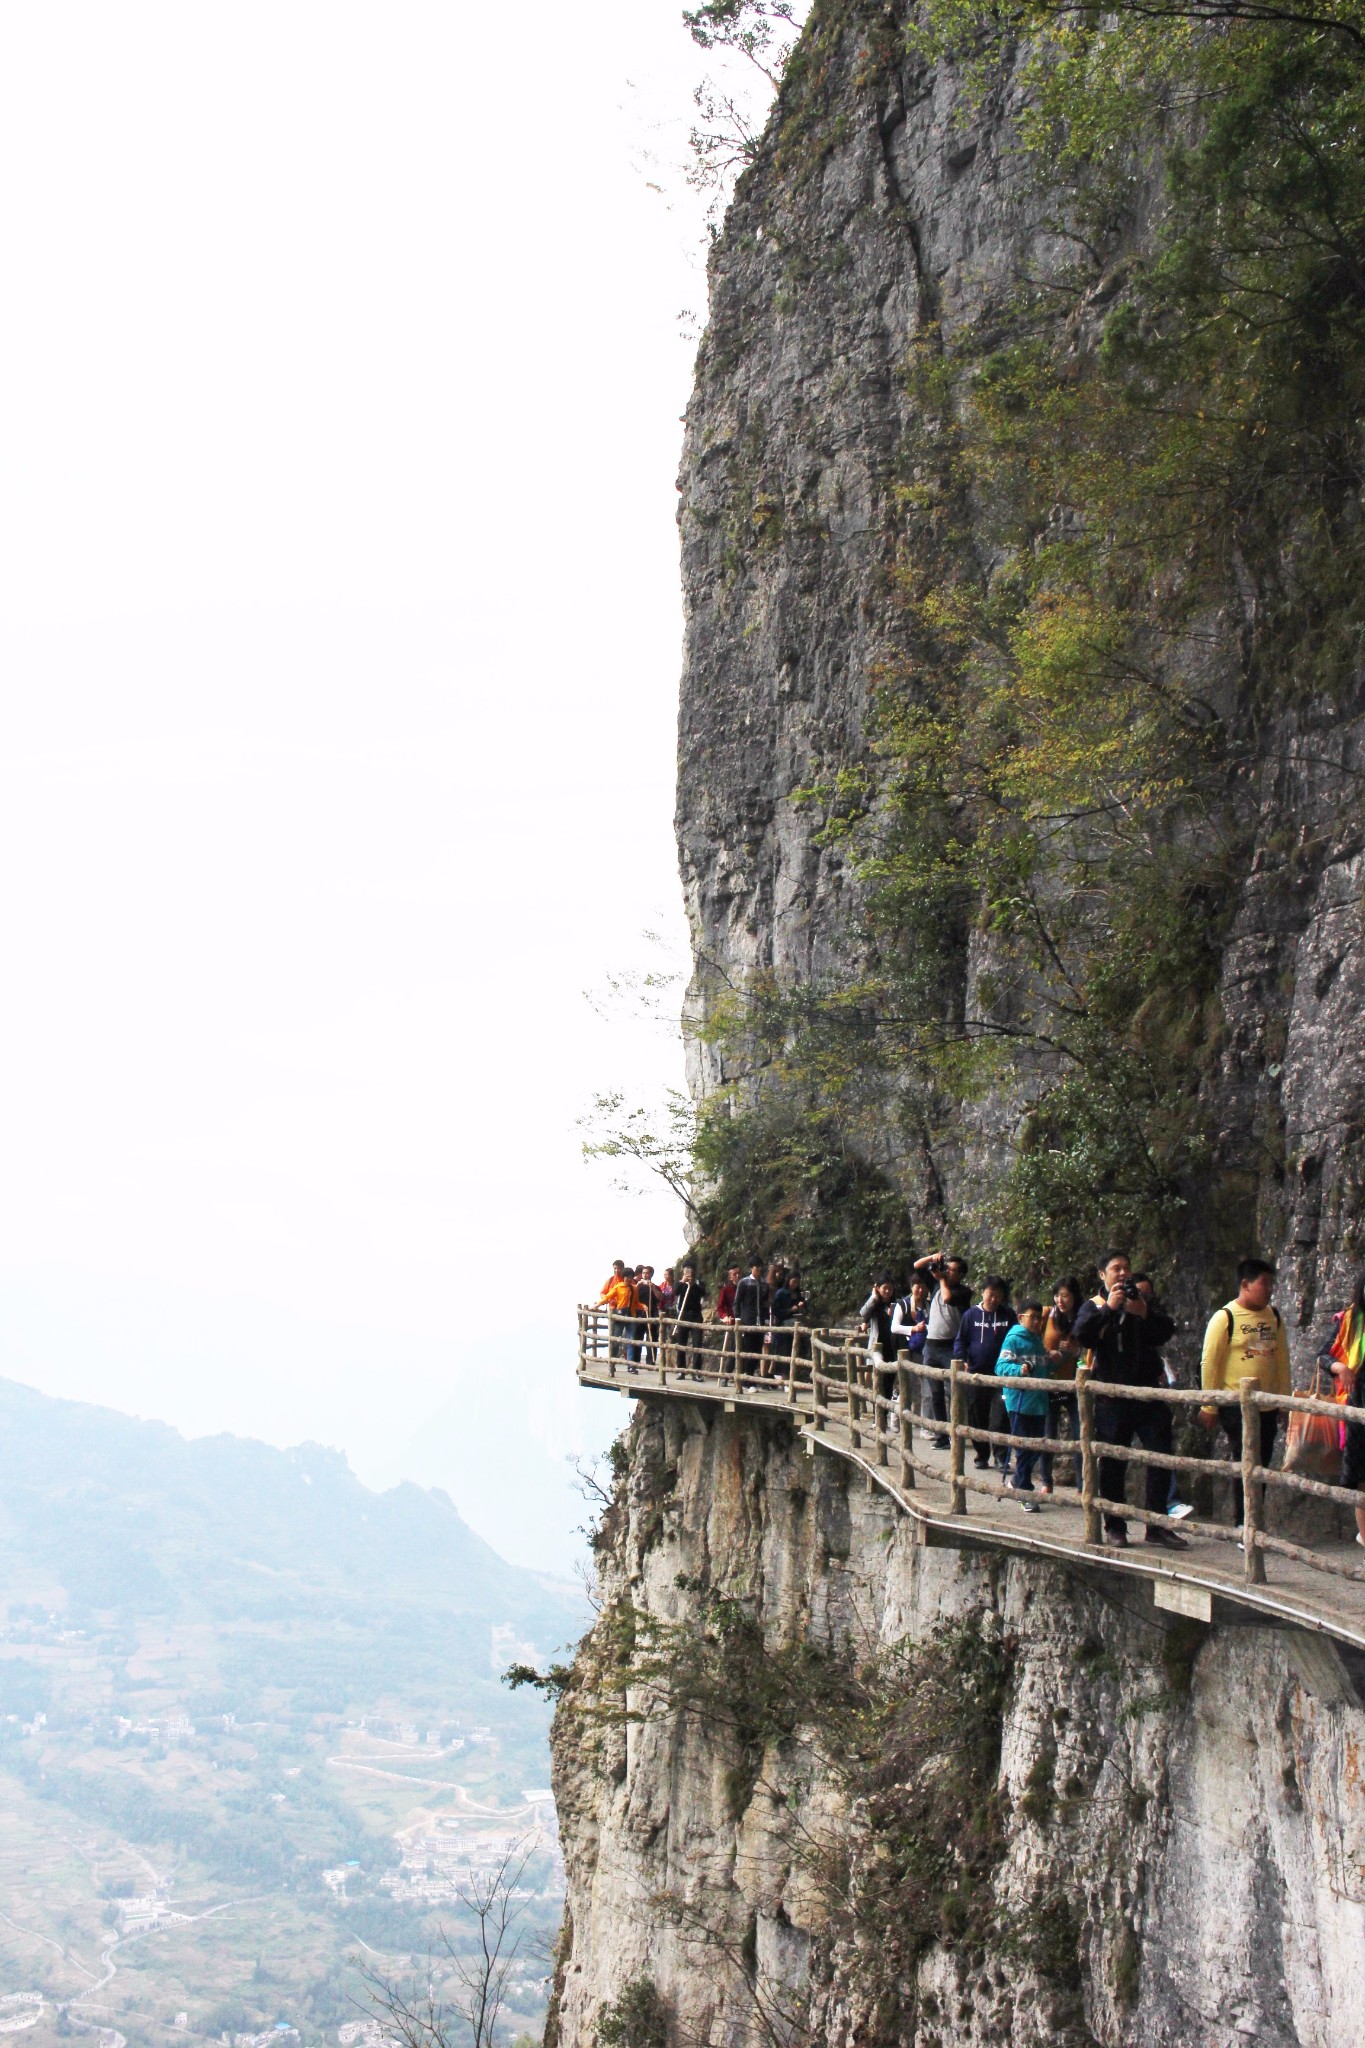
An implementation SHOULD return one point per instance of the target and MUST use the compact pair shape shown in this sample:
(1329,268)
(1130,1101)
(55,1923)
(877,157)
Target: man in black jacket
(752,1301)
(1124,1334)
(690,1307)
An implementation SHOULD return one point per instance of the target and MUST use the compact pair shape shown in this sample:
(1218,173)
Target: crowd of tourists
(1118,1327)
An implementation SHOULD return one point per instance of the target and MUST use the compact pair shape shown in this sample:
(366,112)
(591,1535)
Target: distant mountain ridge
(122,1515)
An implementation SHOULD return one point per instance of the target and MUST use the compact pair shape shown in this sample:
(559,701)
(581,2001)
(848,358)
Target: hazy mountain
(106,1516)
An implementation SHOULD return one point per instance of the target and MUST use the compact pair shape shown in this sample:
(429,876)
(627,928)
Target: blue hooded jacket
(1021,1348)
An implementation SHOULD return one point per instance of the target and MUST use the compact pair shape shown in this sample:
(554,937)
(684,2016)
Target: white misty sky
(340,626)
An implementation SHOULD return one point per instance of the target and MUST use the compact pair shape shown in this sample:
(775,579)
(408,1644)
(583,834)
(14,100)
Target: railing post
(1252,1489)
(881,1424)
(855,1435)
(907,1444)
(958,1496)
(791,1367)
(1085,1408)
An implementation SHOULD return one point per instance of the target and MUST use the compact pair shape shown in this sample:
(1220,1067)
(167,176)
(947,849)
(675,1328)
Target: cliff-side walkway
(824,1386)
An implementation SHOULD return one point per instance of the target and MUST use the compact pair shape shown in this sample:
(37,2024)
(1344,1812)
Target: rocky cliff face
(1165,1845)
(894,202)
(816,1783)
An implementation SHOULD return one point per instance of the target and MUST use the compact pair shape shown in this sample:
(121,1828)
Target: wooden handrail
(820,1371)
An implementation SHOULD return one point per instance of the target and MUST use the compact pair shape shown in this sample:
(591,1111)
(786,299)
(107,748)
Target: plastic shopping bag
(1313,1442)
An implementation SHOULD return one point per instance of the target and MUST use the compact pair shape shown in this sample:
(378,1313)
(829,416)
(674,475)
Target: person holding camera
(1124,1333)
(949,1302)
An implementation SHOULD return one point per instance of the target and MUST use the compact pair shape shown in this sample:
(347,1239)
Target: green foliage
(550,1683)
(637,2018)
(1128,536)
(783,1180)
(655,1140)
(911,1735)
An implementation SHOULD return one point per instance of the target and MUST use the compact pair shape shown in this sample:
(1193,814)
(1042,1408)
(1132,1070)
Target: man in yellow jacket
(1246,1339)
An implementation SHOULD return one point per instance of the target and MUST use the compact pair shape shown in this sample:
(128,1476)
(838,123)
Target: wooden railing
(828,1376)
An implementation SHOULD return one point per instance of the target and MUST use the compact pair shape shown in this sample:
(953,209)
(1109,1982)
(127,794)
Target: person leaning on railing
(1347,1360)
(1124,1335)
(1246,1340)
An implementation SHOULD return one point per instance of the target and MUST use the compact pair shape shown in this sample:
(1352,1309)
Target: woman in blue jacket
(1021,1359)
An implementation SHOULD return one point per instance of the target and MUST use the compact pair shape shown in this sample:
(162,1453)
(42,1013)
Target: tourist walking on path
(1021,1358)
(781,1315)
(752,1298)
(980,1335)
(1124,1333)
(650,1301)
(949,1301)
(618,1295)
(1062,1353)
(1347,1360)
(1246,1340)
(875,1317)
(909,1328)
(689,1304)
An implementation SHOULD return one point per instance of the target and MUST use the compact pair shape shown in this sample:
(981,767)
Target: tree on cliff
(1128,539)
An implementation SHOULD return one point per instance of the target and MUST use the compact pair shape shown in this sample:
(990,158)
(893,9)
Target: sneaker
(1361,1541)
(1178,1512)
(982,1464)
(1046,1492)
(1030,1507)
(943,1443)
(1166,1539)
(1118,1537)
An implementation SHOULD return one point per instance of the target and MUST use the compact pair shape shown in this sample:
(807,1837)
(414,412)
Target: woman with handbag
(1347,1358)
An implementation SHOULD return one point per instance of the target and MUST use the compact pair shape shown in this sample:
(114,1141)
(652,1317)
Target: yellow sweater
(1256,1347)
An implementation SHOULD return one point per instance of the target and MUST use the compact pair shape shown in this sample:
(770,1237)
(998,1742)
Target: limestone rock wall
(893,202)
(1203,1858)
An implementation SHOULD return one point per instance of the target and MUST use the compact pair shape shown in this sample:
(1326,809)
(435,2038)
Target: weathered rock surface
(1183,1815)
(893,204)
(1201,1850)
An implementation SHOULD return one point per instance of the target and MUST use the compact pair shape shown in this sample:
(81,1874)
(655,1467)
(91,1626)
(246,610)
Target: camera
(1131,1290)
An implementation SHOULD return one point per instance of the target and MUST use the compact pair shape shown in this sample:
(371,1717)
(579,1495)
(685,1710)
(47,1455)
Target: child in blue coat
(1022,1358)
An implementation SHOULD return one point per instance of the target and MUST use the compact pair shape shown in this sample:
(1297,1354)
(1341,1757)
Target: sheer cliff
(894,219)
(817,1783)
